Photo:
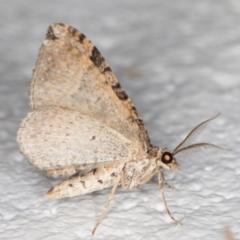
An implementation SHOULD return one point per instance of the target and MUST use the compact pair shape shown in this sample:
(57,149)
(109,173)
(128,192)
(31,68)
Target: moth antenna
(193,134)
(186,151)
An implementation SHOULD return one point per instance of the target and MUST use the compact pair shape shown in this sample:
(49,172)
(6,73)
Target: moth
(84,127)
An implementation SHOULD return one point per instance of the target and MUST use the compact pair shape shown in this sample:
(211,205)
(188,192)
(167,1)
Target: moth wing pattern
(57,139)
(72,75)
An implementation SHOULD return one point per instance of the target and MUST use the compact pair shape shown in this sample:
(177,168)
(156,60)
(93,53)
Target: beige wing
(72,76)
(56,139)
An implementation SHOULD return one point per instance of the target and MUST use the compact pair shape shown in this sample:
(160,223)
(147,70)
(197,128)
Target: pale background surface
(187,58)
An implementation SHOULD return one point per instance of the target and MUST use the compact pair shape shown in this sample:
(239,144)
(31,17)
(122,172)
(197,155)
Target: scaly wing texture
(57,138)
(72,75)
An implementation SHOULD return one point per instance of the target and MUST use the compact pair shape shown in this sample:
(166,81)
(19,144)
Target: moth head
(166,158)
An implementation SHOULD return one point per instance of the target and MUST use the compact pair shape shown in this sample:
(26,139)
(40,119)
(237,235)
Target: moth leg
(107,203)
(124,184)
(169,186)
(130,182)
(161,182)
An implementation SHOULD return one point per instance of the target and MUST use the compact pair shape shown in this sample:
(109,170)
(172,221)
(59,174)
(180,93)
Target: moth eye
(167,157)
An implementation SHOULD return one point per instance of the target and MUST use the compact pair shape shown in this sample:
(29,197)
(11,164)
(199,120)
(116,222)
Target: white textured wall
(188,56)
